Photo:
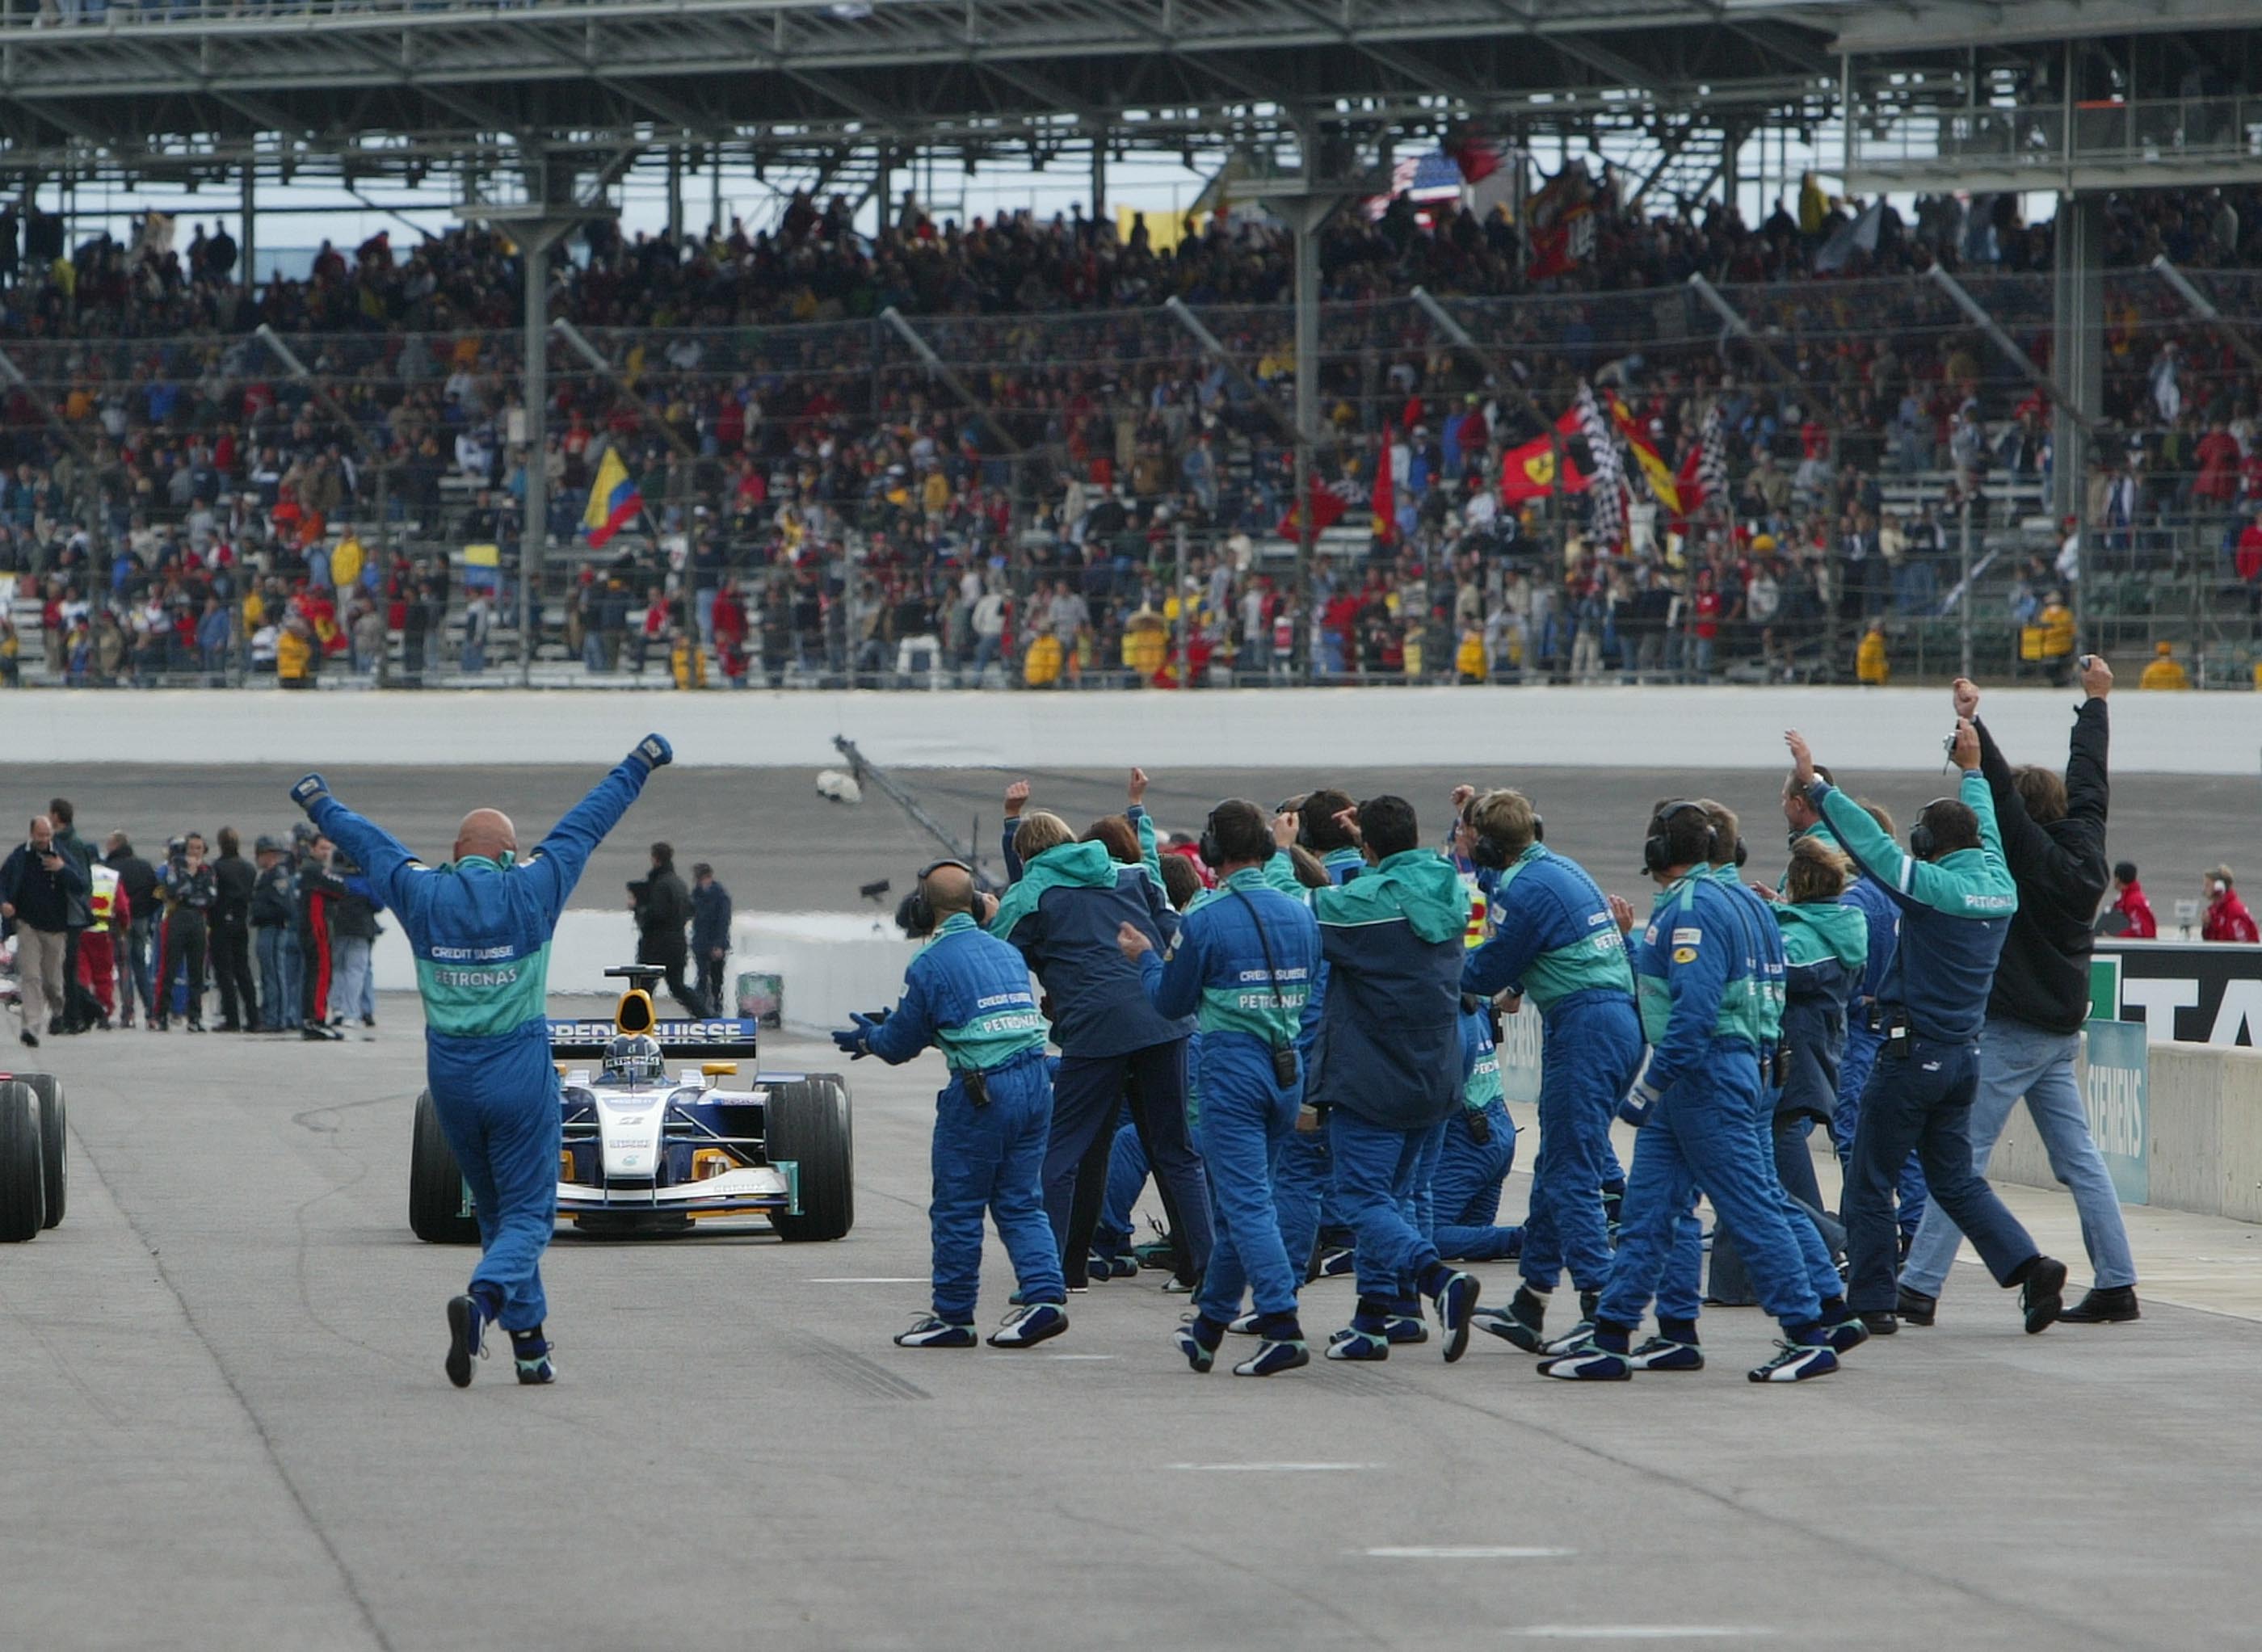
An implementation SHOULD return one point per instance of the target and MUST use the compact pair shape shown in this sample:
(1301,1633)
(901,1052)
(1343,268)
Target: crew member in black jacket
(233,877)
(139,880)
(662,906)
(190,892)
(2054,841)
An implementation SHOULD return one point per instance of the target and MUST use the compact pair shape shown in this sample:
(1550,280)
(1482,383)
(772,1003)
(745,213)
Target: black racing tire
(436,1183)
(809,1123)
(54,1141)
(23,1176)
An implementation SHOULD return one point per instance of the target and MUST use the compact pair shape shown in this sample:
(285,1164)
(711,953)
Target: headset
(1490,856)
(1922,843)
(1654,859)
(1211,854)
(916,915)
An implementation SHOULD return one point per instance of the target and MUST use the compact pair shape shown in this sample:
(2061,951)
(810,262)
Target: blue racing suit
(1464,1184)
(1242,965)
(1554,942)
(967,994)
(1303,1178)
(481,932)
(1704,1012)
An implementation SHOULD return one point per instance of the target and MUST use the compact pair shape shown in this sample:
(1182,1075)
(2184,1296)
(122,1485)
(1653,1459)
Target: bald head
(950,889)
(486,833)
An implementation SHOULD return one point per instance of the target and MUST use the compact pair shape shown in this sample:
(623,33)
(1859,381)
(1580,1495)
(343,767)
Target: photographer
(272,917)
(2054,839)
(1957,897)
(1243,966)
(231,935)
(662,906)
(967,993)
(38,884)
(189,891)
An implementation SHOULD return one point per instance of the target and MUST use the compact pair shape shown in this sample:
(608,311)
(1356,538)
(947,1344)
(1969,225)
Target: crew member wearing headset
(967,993)
(1241,965)
(1553,942)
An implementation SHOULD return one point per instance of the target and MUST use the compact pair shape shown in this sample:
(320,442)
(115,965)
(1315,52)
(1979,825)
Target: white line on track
(906,1279)
(1079,1356)
(1639,1632)
(1274,1467)
(1468,1552)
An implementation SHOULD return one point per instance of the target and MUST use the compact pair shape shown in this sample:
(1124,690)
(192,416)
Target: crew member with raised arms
(480,929)
(967,994)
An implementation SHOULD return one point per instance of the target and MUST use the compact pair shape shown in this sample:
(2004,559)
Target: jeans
(2016,1059)
(991,1158)
(1922,1100)
(138,966)
(1861,1058)
(1703,1135)
(1087,1096)
(349,972)
(1243,1121)
(711,977)
(278,977)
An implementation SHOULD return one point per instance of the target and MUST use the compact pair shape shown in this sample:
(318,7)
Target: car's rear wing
(722,1039)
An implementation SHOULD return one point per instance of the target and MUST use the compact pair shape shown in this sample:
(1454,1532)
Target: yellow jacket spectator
(1870,665)
(294,654)
(2164,672)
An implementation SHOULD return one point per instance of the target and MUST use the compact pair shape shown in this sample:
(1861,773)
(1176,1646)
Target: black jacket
(139,879)
(2042,978)
(43,901)
(273,906)
(663,904)
(233,876)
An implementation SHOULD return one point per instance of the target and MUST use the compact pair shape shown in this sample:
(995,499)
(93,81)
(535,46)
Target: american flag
(1607,493)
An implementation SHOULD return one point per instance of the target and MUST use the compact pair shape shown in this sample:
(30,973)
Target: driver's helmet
(633,1058)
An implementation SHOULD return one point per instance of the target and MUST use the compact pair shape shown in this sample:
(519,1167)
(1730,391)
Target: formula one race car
(35,1154)
(648,1153)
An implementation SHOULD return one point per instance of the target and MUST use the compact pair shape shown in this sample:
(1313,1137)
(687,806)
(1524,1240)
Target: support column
(2078,364)
(883,190)
(714,192)
(1098,178)
(246,244)
(675,192)
(1732,139)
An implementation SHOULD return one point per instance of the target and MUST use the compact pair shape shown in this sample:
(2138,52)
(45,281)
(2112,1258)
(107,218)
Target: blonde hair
(1817,872)
(1040,830)
(1506,816)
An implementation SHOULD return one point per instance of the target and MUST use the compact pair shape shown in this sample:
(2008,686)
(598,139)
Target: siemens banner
(2115,1080)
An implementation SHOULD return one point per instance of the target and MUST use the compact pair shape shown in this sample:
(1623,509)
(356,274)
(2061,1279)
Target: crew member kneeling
(480,929)
(1242,965)
(967,994)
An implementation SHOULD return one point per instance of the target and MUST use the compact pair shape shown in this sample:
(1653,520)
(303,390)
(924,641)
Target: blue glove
(855,1041)
(1639,1100)
(309,791)
(653,752)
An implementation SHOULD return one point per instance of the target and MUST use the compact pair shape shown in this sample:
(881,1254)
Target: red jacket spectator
(2133,905)
(2250,551)
(2227,917)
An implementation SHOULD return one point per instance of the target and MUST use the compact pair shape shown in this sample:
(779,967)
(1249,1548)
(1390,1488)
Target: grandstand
(1042,452)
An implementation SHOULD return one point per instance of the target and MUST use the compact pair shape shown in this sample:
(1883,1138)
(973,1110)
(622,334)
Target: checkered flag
(1712,459)
(1607,494)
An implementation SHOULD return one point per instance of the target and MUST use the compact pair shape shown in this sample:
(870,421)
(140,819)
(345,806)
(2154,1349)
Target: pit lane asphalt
(779,846)
(229,1428)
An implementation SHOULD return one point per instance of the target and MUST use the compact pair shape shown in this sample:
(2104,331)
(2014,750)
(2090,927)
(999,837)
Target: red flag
(1384,502)
(1327,507)
(1528,471)
(1688,483)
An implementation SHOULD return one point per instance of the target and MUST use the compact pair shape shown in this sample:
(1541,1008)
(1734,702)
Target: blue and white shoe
(1457,1303)
(1662,1353)
(1795,1362)
(467,1321)
(1246,1325)
(1350,1343)
(1098,1266)
(1579,1334)
(1590,1362)
(1121,1265)
(932,1330)
(1027,1327)
(1335,1263)
(1405,1328)
(536,1368)
(1199,1356)
(1846,1335)
(1272,1358)
(1509,1324)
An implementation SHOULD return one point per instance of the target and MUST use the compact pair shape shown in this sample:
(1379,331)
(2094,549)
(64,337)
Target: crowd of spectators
(817,505)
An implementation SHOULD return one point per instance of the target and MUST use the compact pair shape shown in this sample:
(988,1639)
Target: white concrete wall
(1677,728)
(2205,1106)
(831,963)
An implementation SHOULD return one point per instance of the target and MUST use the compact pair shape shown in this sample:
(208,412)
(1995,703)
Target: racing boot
(1246,1325)
(933,1331)
(1367,1337)
(531,1351)
(1591,1362)
(1337,1262)
(1281,1347)
(1026,1326)
(1520,1321)
(467,1323)
(1845,1335)
(1455,1293)
(1406,1328)
(1795,1362)
(1198,1339)
(1585,1328)
(1662,1353)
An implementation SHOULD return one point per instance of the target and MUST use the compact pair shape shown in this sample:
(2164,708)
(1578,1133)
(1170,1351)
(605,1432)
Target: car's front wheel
(808,1122)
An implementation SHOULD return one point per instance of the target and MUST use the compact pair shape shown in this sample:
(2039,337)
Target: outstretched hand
(1964,754)
(1138,787)
(653,752)
(2096,676)
(1016,798)
(1131,941)
(1347,821)
(310,791)
(1622,913)
(1284,825)
(1802,760)
(1967,697)
(1461,795)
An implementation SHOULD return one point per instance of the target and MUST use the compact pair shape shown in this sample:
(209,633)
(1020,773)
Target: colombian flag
(614,501)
